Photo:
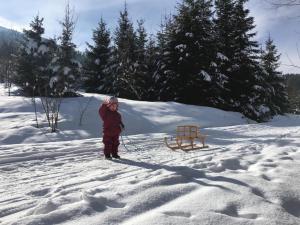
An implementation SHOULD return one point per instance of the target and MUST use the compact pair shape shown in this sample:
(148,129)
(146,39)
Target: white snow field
(249,175)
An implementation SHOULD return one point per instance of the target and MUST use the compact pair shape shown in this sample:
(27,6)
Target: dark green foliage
(140,64)
(293,90)
(97,65)
(187,69)
(67,68)
(123,82)
(33,60)
(199,57)
(244,89)
(151,59)
(277,91)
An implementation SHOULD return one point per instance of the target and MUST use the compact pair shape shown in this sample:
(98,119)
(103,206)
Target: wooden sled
(186,137)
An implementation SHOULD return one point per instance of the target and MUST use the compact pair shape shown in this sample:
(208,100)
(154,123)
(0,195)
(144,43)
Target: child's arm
(103,111)
(122,125)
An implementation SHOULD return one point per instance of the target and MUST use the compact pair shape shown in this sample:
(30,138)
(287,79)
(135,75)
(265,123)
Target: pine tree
(151,60)
(30,60)
(278,98)
(187,66)
(140,64)
(165,78)
(244,89)
(67,68)
(8,53)
(248,82)
(124,58)
(225,39)
(97,65)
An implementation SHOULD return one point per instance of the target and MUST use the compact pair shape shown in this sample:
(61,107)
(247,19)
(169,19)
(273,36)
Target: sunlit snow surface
(250,174)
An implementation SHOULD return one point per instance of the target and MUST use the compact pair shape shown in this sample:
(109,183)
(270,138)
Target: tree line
(204,54)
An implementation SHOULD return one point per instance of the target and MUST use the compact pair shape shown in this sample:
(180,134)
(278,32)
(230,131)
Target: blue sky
(282,24)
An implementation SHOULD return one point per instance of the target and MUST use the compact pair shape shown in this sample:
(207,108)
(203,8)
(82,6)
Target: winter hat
(111,100)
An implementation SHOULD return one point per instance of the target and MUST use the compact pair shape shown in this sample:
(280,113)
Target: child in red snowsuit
(112,127)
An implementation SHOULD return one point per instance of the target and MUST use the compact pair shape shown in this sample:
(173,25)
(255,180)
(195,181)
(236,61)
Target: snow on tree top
(206,76)
(263,109)
(31,46)
(43,49)
(52,81)
(257,87)
(97,61)
(66,70)
(213,64)
(222,57)
(181,46)
(189,35)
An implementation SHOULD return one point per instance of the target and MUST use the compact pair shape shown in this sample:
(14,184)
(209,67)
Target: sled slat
(185,138)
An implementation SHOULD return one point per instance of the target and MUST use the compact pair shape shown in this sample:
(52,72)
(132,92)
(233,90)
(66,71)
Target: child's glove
(106,101)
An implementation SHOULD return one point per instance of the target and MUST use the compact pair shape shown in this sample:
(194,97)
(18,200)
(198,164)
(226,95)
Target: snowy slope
(18,121)
(249,174)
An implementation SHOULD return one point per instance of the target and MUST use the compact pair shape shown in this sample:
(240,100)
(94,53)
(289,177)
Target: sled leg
(173,147)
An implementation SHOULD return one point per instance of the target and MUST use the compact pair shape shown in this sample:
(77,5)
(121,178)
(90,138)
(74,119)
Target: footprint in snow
(286,158)
(258,192)
(273,165)
(264,176)
(177,213)
(269,160)
(232,210)
(283,153)
(100,203)
(40,192)
(9,168)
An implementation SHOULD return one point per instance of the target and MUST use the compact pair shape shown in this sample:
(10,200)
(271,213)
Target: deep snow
(250,174)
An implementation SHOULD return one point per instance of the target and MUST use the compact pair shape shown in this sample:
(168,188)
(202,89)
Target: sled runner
(186,137)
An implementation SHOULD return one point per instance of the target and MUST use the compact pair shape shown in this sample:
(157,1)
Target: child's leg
(108,145)
(115,146)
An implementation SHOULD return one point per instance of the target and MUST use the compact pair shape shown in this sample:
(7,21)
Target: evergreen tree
(97,69)
(248,83)
(124,58)
(30,59)
(277,91)
(189,59)
(140,65)
(152,53)
(225,39)
(8,52)
(165,78)
(67,68)
(244,89)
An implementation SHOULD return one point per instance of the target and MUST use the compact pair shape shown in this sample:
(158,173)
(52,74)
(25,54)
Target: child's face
(113,107)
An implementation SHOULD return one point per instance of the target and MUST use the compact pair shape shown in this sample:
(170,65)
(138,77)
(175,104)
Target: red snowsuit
(112,123)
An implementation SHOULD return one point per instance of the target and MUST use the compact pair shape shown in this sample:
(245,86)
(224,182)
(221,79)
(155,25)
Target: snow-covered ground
(250,174)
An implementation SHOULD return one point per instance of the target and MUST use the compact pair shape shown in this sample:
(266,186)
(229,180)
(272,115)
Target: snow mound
(18,123)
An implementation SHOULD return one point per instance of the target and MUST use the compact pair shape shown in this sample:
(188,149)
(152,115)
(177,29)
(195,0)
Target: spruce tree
(97,66)
(140,64)
(152,53)
(248,82)
(224,36)
(277,90)
(124,58)
(30,58)
(244,89)
(67,68)
(165,79)
(187,66)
